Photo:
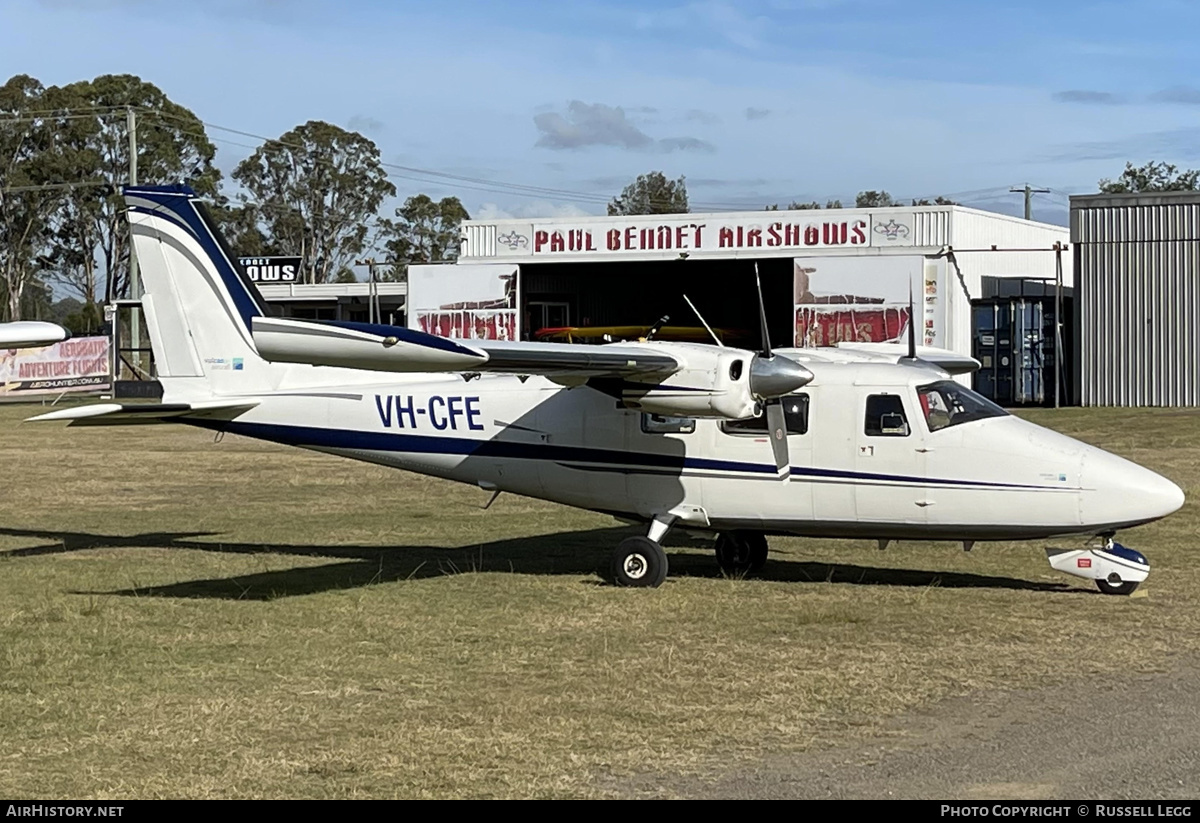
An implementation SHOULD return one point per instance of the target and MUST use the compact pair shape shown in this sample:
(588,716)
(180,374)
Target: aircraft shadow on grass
(564,553)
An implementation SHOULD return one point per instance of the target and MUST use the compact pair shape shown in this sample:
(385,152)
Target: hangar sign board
(272,269)
(685,233)
(672,234)
(79,364)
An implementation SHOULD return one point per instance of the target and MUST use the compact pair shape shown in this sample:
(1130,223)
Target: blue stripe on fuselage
(313,437)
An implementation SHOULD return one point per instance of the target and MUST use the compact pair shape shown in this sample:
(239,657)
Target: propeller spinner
(771,377)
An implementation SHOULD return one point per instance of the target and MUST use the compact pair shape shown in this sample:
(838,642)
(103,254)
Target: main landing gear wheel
(639,561)
(741,552)
(1116,586)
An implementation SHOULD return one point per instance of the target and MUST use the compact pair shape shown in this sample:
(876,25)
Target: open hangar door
(638,293)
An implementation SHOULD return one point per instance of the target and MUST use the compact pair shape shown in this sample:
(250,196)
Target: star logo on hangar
(513,240)
(892,230)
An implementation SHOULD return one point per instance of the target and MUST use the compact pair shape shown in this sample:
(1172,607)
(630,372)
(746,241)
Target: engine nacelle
(713,383)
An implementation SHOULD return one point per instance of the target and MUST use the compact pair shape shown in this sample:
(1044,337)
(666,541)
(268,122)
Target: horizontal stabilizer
(948,361)
(134,414)
(376,347)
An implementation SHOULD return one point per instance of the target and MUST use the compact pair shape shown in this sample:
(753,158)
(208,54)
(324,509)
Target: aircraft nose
(1118,491)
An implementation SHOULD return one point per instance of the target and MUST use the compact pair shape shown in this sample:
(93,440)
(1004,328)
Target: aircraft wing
(28,334)
(949,361)
(126,414)
(377,347)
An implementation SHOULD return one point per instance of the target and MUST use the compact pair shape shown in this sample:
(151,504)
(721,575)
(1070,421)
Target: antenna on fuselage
(716,339)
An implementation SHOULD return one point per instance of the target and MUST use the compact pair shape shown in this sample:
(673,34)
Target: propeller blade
(777,431)
(762,316)
(912,318)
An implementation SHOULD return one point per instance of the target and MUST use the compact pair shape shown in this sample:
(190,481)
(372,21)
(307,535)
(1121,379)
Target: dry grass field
(184,618)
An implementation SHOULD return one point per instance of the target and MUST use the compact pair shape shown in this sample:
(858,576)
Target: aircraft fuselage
(988,479)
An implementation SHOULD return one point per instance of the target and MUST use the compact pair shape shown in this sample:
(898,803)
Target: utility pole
(373,311)
(1058,322)
(135,286)
(1029,193)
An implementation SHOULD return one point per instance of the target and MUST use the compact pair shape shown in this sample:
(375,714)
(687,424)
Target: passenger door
(890,459)
(743,484)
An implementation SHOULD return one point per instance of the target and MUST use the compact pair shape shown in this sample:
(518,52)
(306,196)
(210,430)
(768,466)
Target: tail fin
(197,304)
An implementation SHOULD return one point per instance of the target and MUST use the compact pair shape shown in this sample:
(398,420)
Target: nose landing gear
(639,561)
(1115,568)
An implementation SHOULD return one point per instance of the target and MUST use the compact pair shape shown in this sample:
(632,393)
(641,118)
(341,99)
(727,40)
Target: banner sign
(272,269)
(80,364)
(830,325)
(866,300)
(470,324)
(472,302)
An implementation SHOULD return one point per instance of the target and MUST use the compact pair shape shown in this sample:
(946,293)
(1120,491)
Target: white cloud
(531,211)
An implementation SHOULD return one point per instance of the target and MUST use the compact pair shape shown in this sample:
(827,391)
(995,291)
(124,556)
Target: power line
(440,178)
(67,113)
(83,184)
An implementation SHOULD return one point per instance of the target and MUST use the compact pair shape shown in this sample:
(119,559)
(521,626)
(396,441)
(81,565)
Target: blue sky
(755,102)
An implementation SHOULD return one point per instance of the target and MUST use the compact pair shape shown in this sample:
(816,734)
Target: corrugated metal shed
(1136,262)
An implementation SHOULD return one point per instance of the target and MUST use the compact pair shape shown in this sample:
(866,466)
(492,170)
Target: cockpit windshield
(946,403)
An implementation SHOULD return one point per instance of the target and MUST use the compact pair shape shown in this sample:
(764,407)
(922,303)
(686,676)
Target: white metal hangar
(1138,307)
(982,283)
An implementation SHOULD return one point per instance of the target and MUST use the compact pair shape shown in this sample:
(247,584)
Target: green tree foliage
(651,193)
(172,147)
(314,190)
(241,227)
(1152,177)
(937,201)
(425,231)
(796,205)
(27,167)
(874,200)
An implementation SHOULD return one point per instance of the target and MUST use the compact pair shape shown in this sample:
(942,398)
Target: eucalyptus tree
(651,193)
(424,231)
(315,189)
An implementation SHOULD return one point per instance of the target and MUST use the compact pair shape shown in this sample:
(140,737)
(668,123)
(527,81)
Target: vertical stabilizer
(197,303)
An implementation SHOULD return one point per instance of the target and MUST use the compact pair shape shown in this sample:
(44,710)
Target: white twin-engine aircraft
(868,443)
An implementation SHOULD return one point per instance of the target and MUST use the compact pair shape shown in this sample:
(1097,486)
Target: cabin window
(885,416)
(946,403)
(661,424)
(795,412)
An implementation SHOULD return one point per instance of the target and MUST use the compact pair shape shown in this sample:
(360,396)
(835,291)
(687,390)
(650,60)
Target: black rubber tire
(1126,587)
(639,562)
(741,552)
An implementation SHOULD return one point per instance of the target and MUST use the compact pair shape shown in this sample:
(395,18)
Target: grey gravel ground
(1103,737)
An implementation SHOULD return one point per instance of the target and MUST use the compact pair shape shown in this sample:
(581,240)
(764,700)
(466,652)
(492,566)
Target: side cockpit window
(946,403)
(885,416)
(660,424)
